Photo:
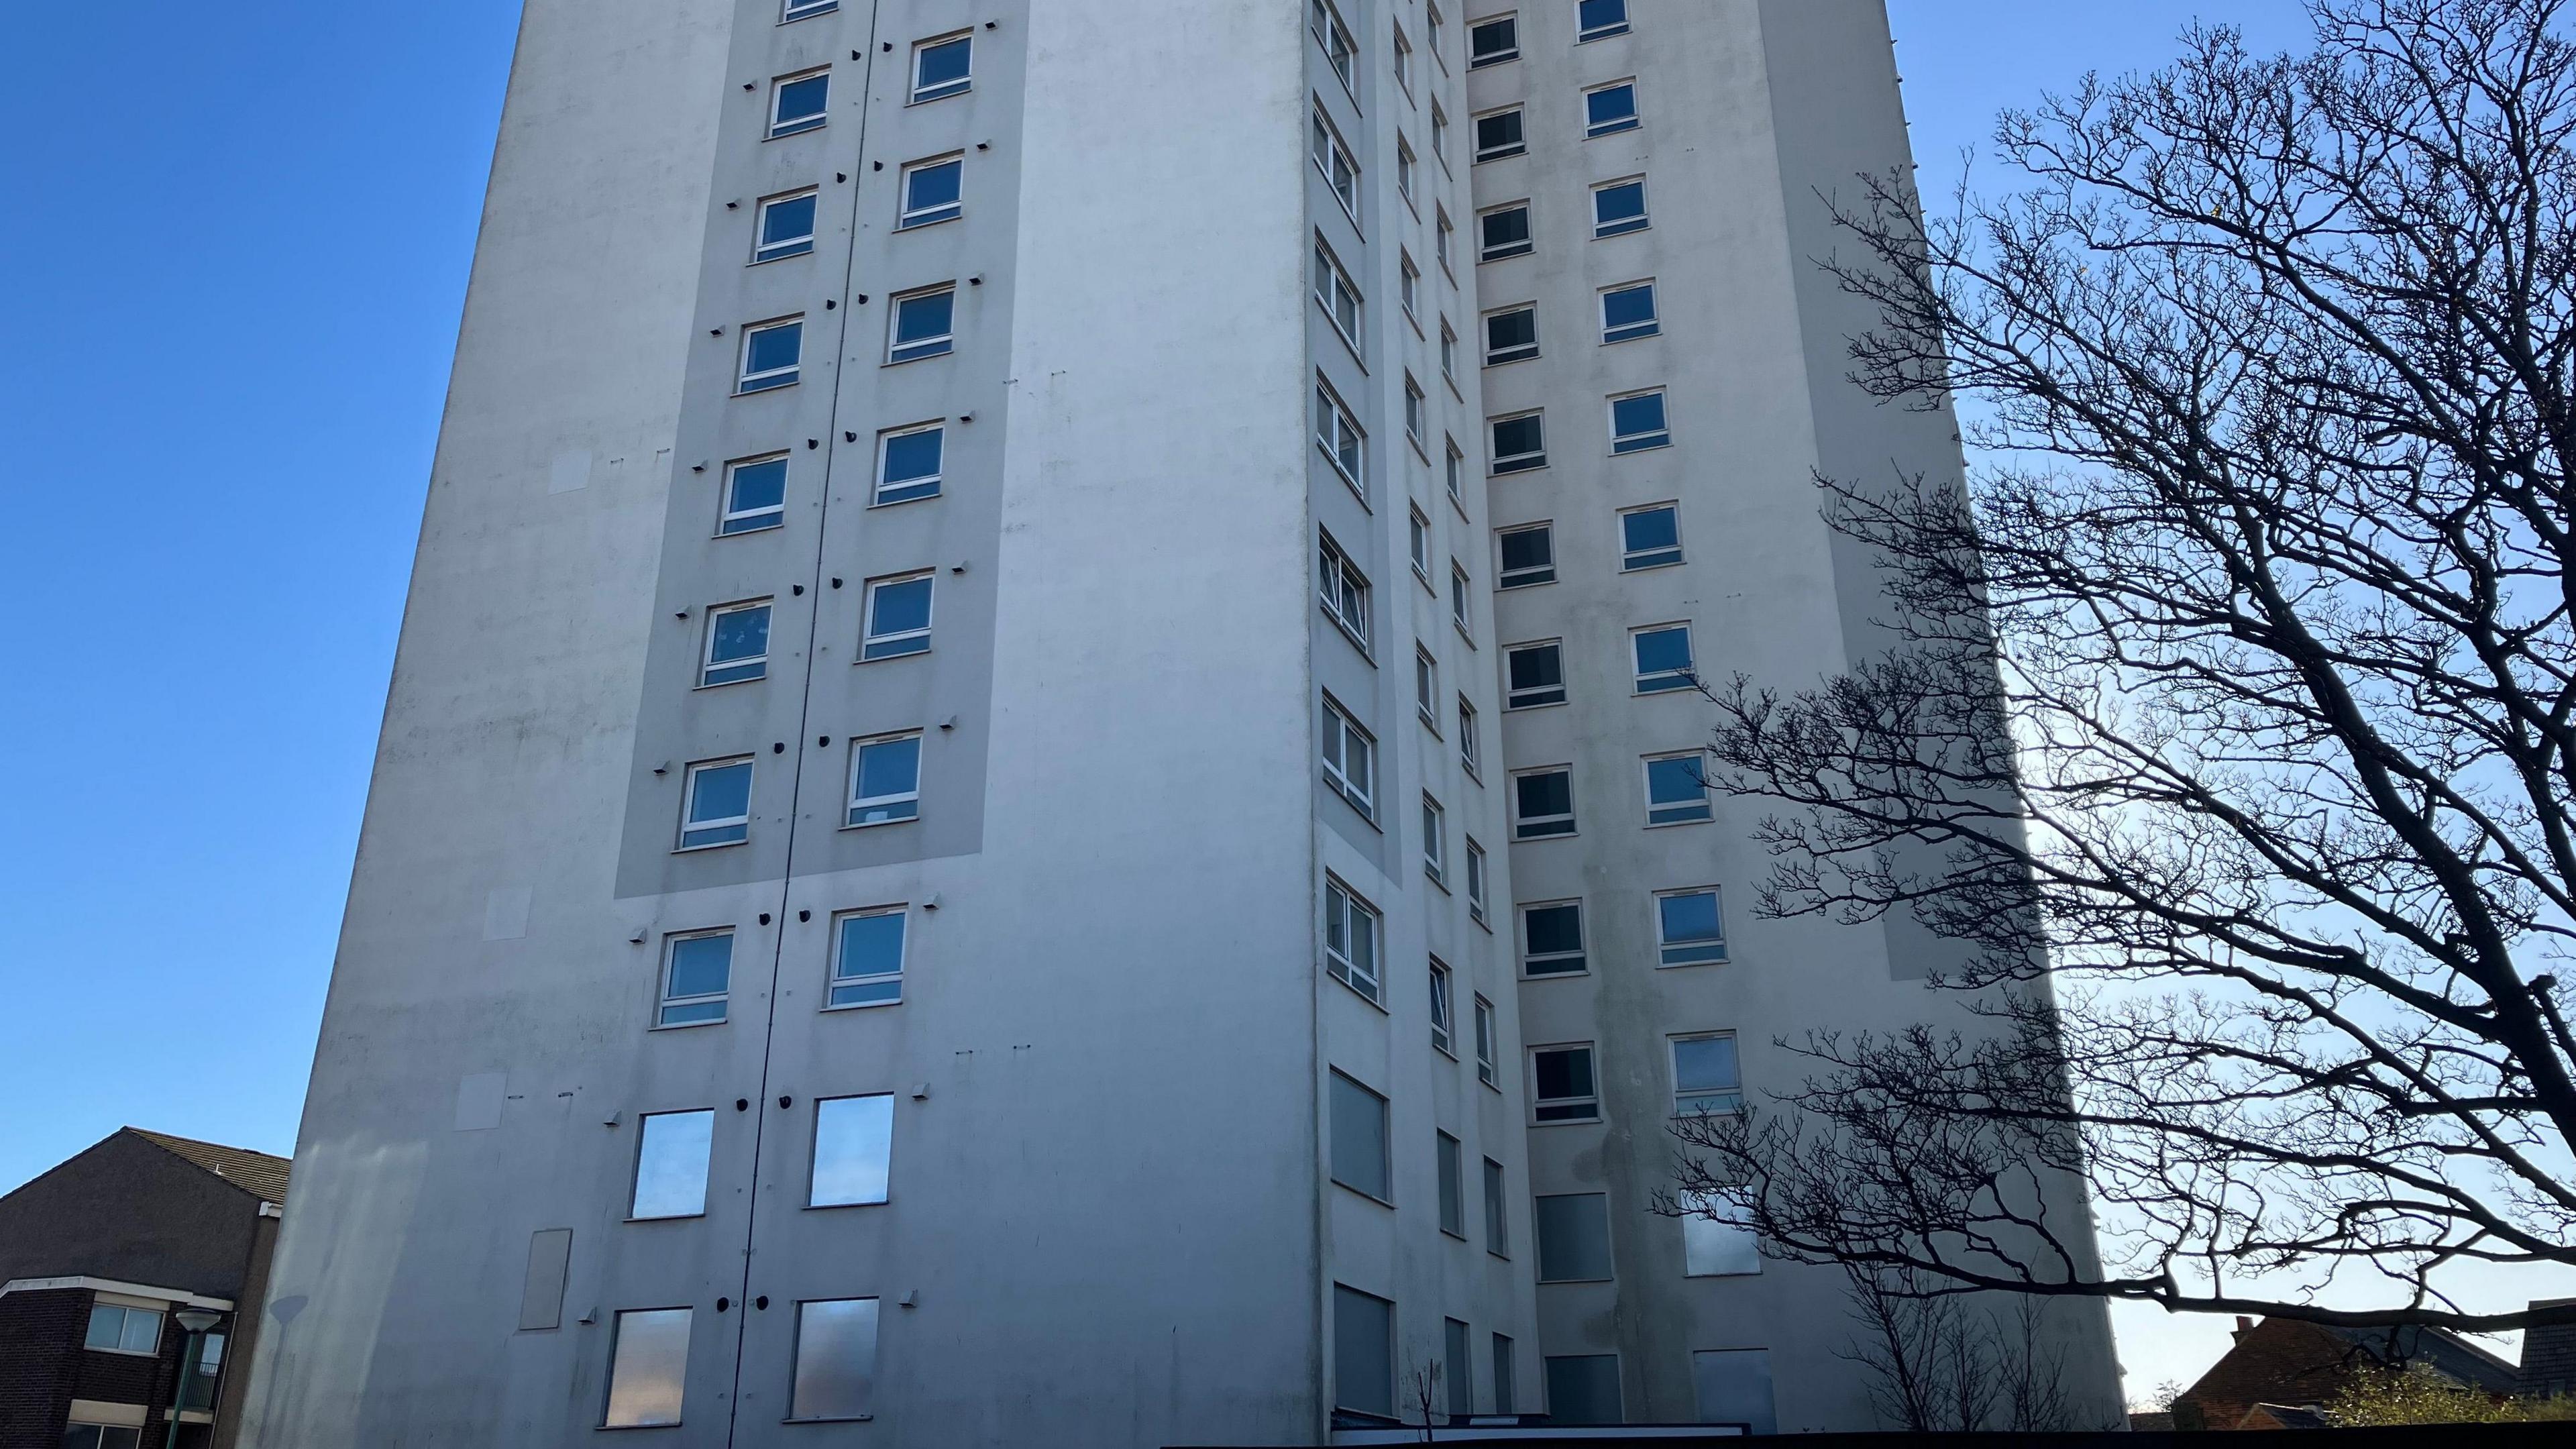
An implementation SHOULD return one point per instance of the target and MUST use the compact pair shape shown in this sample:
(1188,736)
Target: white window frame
(1526,576)
(1435,841)
(725,514)
(1417,416)
(1345,434)
(1707,803)
(1403,59)
(1603,230)
(779,251)
(1470,752)
(1440,134)
(128,1313)
(919,349)
(1653,326)
(1338,295)
(833,979)
(1593,130)
(1335,163)
(746,381)
(1505,151)
(1408,287)
(914,490)
(1444,1009)
(1448,352)
(1623,444)
(1445,240)
(872,644)
(1519,351)
(1636,560)
(1426,689)
(1686,1101)
(1341,51)
(1343,729)
(1342,590)
(1673,954)
(1487,252)
(856,803)
(1498,57)
(1478,884)
(1489,1069)
(1709,1221)
(1455,464)
(1405,165)
(1503,465)
(1418,544)
(919,93)
(1462,587)
(1357,915)
(1532,959)
(1662,681)
(1512,698)
(689,826)
(1524,825)
(1584,34)
(801,9)
(707,662)
(781,126)
(911,218)
(1590,1103)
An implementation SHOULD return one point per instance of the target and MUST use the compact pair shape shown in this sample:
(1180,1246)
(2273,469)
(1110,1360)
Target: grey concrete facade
(1127,1010)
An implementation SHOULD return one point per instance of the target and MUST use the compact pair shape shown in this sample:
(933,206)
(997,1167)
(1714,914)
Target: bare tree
(1425,1383)
(2227,723)
(1942,1363)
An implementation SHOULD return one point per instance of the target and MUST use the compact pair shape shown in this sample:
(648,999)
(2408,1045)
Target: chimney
(2244,1325)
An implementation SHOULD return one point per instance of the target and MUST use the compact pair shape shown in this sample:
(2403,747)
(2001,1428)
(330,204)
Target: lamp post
(196,1321)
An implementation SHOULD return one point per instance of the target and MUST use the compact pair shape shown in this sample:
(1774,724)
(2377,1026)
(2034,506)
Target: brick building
(104,1261)
(2280,1368)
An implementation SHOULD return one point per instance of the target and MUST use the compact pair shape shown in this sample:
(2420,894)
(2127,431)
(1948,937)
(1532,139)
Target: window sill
(1365,1195)
(838,1419)
(1569,1122)
(889,658)
(1533,708)
(717,845)
(121,1352)
(673,1218)
(688,1025)
(881,824)
(1680,824)
(859,1005)
(728,684)
(781,257)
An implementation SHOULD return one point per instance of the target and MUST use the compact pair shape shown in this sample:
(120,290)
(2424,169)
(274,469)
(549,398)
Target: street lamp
(196,1321)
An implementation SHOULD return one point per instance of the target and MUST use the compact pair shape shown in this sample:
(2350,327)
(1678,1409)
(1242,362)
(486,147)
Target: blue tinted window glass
(935,186)
(901,608)
(1657,528)
(945,65)
(1606,108)
(775,348)
(741,634)
(871,946)
(701,966)
(787,221)
(1634,415)
(914,455)
(1564,1074)
(925,316)
(1670,782)
(1621,206)
(722,793)
(890,768)
(759,486)
(1598,15)
(1663,651)
(1628,309)
(1554,930)
(1691,917)
(800,99)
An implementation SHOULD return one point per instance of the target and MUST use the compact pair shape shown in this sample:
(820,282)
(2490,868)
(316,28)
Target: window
(1573,1231)
(1492,42)
(1456,1366)
(114,1329)
(1426,688)
(1418,544)
(1453,1188)
(1403,60)
(1677,791)
(867,957)
(1433,25)
(1339,435)
(1663,655)
(885,780)
(1520,444)
(942,67)
(1341,300)
(1562,1087)
(1584,1389)
(924,324)
(697,975)
(1599,19)
(1455,469)
(1498,1235)
(1360,1160)
(1448,351)
(718,809)
(1650,538)
(799,9)
(1435,842)
(671,1155)
(1552,939)
(737,645)
(77,1435)
(836,1360)
(797,102)
(1469,754)
(1504,232)
(1333,159)
(1440,133)
(1459,589)
(755,495)
(1618,208)
(909,463)
(1363,1353)
(1500,134)
(648,1367)
(1404,167)
(1444,238)
(1534,675)
(1706,1080)
(1333,36)
(1444,1015)
(1637,423)
(1733,1386)
(1475,879)
(1511,335)
(785,229)
(1488,1065)
(898,617)
(772,355)
(1505,1396)
(1689,928)
(1409,285)
(1608,110)
(1350,940)
(1628,313)
(1343,589)
(1415,414)
(1350,756)
(932,192)
(1529,556)
(1718,1240)
(853,1151)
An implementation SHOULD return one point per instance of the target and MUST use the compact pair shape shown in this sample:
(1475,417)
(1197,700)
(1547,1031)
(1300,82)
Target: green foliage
(2417,1397)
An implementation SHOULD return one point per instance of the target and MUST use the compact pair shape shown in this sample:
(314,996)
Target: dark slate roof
(256,1173)
(2445,1353)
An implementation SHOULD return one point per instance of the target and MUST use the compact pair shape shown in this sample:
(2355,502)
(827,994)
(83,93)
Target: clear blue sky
(215,431)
